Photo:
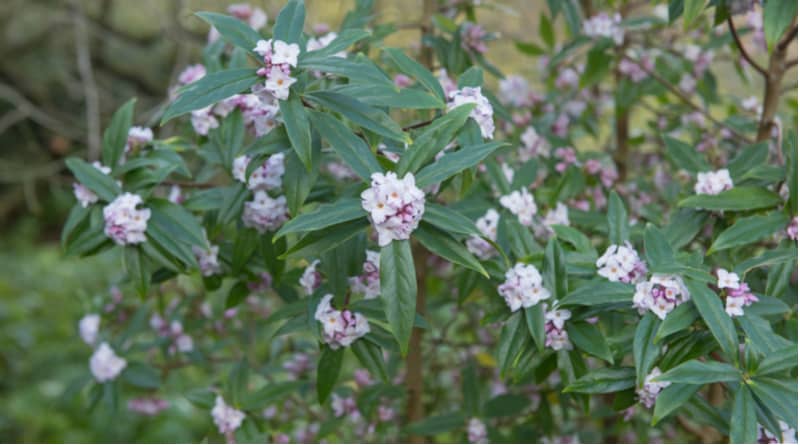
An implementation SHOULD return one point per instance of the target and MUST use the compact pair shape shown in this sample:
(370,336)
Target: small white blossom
(124,223)
(520,203)
(105,364)
(227,418)
(661,294)
(483,113)
(602,25)
(713,182)
(476,431)
(555,333)
(207,259)
(311,279)
(369,282)
(340,328)
(621,263)
(278,83)
(264,213)
(395,206)
(89,328)
(283,52)
(268,176)
(727,279)
(514,90)
(533,145)
(487,225)
(523,287)
(649,391)
(138,136)
(559,215)
(85,196)
(203,121)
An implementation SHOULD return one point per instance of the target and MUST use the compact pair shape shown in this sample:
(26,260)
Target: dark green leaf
(588,338)
(326,215)
(115,138)
(671,398)
(696,372)
(211,89)
(603,381)
(744,423)
(352,149)
(455,162)
(645,348)
(289,24)
(749,230)
(735,199)
(102,184)
(719,323)
(361,114)
(618,224)
(443,245)
(233,30)
(399,290)
(328,368)
(600,292)
(297,127)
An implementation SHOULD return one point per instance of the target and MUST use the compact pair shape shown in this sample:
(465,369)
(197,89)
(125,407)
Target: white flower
(727,280)
(89,327)
(523,287)
(203,121)
(266,177)
(85,196)
(734,306)
(138,136)
(278,83)
(227,418)
(558,317)
(395,206)
(311,279)
(369,282)
(559,215)
(649,391)
(533,145)
(105,364)
(184,343)
(283,52)
(487,224)
(687,83)
(661,294)
(713,182)
(476,431)
(482,113)
(339,328)
(264,213)
(621,263)
(555,334)
(207,259)
(514,90)
(124,223)
(520,203)
(602,25)
(263,48)
(191,73)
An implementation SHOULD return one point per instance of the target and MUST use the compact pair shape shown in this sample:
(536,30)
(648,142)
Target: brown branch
(418,125)
(739,44)
(23,105)
(787,40)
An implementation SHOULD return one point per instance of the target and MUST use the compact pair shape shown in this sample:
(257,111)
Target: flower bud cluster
(395,206)
(340,328)
(555,333)
(487,225)
(713,182)
(483,113)
(621,263)
(369,282)
(279,57)
(661,294)
(523,287)
(268,176)
(124,223)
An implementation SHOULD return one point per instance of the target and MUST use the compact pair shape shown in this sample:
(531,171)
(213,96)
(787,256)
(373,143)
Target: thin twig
(23,105)
(84,59)
(739,44)
(418,125)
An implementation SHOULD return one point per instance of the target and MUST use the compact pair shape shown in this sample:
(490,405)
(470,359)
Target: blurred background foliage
(65,65)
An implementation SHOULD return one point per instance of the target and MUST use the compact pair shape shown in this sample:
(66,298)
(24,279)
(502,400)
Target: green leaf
(371,357)
(236,295)
(438,424)
(289,24)
(749,157)
(228,139)
(598,64)
(618,225)
(269,394)
(684,156)
(141,375)
(211,89)
(328,368)
(530,49)
(103,185)
(769,258)
(778,361)
(390,95)
(760,333)
(671,398)
(656,248)
(115,138)
(433,139)
(546,31)
(179,222)
(645,348)
(77,219)
(318,242)
(719,323)
(449,220)
(696,372)
(600,292)
(506,405)
(357,70)
(534,318)
(749,230)
(399,290)
(679,319)
(574,237)
(472,77)
(233,30)
(361,114)
(737,198)
(691,10)
(513,339)
(352,149)
(470,388)
(418,72)
(555,269)
(588,338)
(455,162)
(297,182)
(298,128)
(603,381)
(443,245)
(744,423)
(344,40)
(326,215)
(778,16)
(779,396)
(136,267)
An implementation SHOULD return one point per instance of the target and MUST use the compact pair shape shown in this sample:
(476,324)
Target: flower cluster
(82,193)
(268,176)
(788,434)
(621,263)
(514,90)
(634,71)
(138,137)
(279,58)
(603,25)
(317,43)
(661,294)
(520,203)
(483,113)
(340,328)
(523,287)
(255,18)
(555,333)
(207,259)
(487,224)
(147,406)
(713,182)
(473,38)
(476,431)
(265,213)
(791,229)
(311,278)
(191,73)
(738,295)
(89,328)
(124,223)
(533,145)
(369,282)
(105,364)
(395,206)
(227,418)
(649,391)
(557,216)
(173,331)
